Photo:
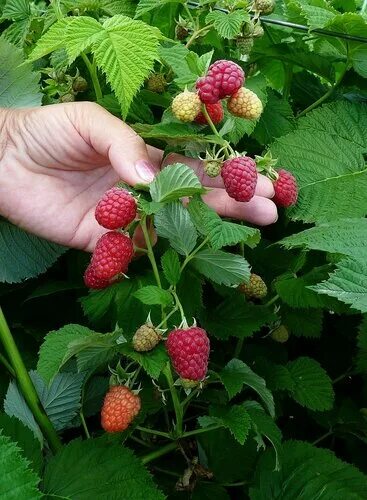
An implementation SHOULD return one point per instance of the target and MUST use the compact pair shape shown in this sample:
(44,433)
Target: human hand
(58,160)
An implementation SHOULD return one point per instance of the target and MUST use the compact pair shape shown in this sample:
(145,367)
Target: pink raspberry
(240,177)
(215,111)
(189,352)
(116,209)
(112,255)
(286,189)
(223,79)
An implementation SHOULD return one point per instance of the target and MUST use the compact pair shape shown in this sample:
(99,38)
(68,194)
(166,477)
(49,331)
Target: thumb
(112,138)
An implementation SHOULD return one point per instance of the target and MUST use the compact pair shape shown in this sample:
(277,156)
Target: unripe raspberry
(255,288)
(156,83)
(245,44)
(186,106)
(245,104)
(146,338)
(286,189)
(189,352)
(67,98)
(116,209)
(215,111)
(223,79)
(280,334)
(181,32)
(80,84)
(240,177)
(212,168)
(264,6)
(120,407)
(112,255)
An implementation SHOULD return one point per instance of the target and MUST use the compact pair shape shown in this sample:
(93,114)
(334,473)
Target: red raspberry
(112,255)
(189,352)
(240,177)
(286,189)
(120,407)
(215,111)
(223,79)
(117,208)
(91,280)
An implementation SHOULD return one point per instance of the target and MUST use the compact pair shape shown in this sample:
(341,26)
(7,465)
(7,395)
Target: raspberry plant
(222,361)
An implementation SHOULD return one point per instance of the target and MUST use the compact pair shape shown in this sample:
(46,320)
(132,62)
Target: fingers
(264,185)
(115,140)
(260,211)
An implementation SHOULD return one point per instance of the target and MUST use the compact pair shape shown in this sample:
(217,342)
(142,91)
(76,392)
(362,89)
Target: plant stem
(175,399)
(238,348)
(93,74)
(342,376)
(288,68)
(178,304)
(27,387)
(193,253)
(327,95)
(186,401)
(188,12)
(150,252)
(153,431)
(201,431)
(271,301)
(158,453)
(321,438)
(84,424)
(196,34)
(56,6)
(7,365)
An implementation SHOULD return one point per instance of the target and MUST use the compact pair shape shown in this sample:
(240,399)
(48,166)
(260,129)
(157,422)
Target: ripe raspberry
(119,409)
(189,352)
(91,280)
(244,44)
(245,104)
(215,111)
(280,334)
(146,338)
(240,177)
(264,6)
(286,189)
(112,255)
(256,288)
(223,79)
(156,83)
(186,106)
(212,168)
(116,209)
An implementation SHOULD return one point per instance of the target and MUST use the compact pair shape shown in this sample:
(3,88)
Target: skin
(57,161)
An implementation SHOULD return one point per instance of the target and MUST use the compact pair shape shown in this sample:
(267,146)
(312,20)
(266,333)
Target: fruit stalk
(27,387)
(94,77)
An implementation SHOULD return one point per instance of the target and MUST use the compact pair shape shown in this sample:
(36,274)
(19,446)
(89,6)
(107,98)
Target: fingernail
(145,170)
(276,218)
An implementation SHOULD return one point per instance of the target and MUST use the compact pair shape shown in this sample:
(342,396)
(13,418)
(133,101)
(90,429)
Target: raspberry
(116,209)
(244,44)
(264,6)
(215,111)
(212,168)
(91,280)
(146,338)
(119,409)
(156,83)
(189,352)
(186,106)
(280,334)
(181,32)
(67,98)
(256,288)
(245,104)
(286,189)
(80,84)
(112,255)
(223,79)
(240,177)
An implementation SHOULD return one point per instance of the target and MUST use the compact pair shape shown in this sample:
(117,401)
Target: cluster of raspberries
(114,250)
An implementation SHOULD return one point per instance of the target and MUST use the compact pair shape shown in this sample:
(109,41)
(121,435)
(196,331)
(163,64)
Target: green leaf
(53,39)
(54,350)
(17,480)
(303,322)
(348,284)
(221,267)
(174,182)
(152,362)
(16,10)
(153,295)
(325,154)
(235,419)
(236,374)
(228,24)
(173,222)
(171,266)
(32,257)
(235,317)
(361,359)
(79,472)
(263,425)
(145,6)
(276,120)
(81,33)
(18,83)
(307,472)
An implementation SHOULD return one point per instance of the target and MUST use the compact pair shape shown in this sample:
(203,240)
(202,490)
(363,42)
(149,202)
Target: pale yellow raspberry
(245,104)
(186,106)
